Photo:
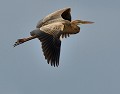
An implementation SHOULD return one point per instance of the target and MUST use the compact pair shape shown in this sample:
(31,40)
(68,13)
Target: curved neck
(75,28)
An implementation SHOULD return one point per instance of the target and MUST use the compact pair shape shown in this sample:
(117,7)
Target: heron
(50,30)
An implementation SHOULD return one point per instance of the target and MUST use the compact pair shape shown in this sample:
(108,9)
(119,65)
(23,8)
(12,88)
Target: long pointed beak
(86,22)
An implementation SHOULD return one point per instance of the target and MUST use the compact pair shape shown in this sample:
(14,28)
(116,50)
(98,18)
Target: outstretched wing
(51,48)
(51,43)
(49,36)
(60,14)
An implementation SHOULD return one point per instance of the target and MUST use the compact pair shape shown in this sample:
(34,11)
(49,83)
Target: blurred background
(89,61)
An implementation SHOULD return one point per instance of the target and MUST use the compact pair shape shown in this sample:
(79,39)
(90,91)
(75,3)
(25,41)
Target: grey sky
(89,62)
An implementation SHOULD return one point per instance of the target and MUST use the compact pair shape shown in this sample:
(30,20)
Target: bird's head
(75,24)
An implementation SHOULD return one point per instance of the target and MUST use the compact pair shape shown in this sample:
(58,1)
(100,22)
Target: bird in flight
(50,30)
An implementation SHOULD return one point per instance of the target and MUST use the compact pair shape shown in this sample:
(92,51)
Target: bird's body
(61,27)
(50,29)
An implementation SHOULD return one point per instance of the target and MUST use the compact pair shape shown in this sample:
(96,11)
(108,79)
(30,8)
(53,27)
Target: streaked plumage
(50,29)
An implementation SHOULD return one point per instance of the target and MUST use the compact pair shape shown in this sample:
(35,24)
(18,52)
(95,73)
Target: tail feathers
(36,32)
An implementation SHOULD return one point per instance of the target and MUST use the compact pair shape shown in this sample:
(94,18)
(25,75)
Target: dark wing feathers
(65,35)
(59,14)
(51,48)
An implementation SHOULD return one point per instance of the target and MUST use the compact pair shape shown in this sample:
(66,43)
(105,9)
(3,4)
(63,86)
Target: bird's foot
(19,41)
